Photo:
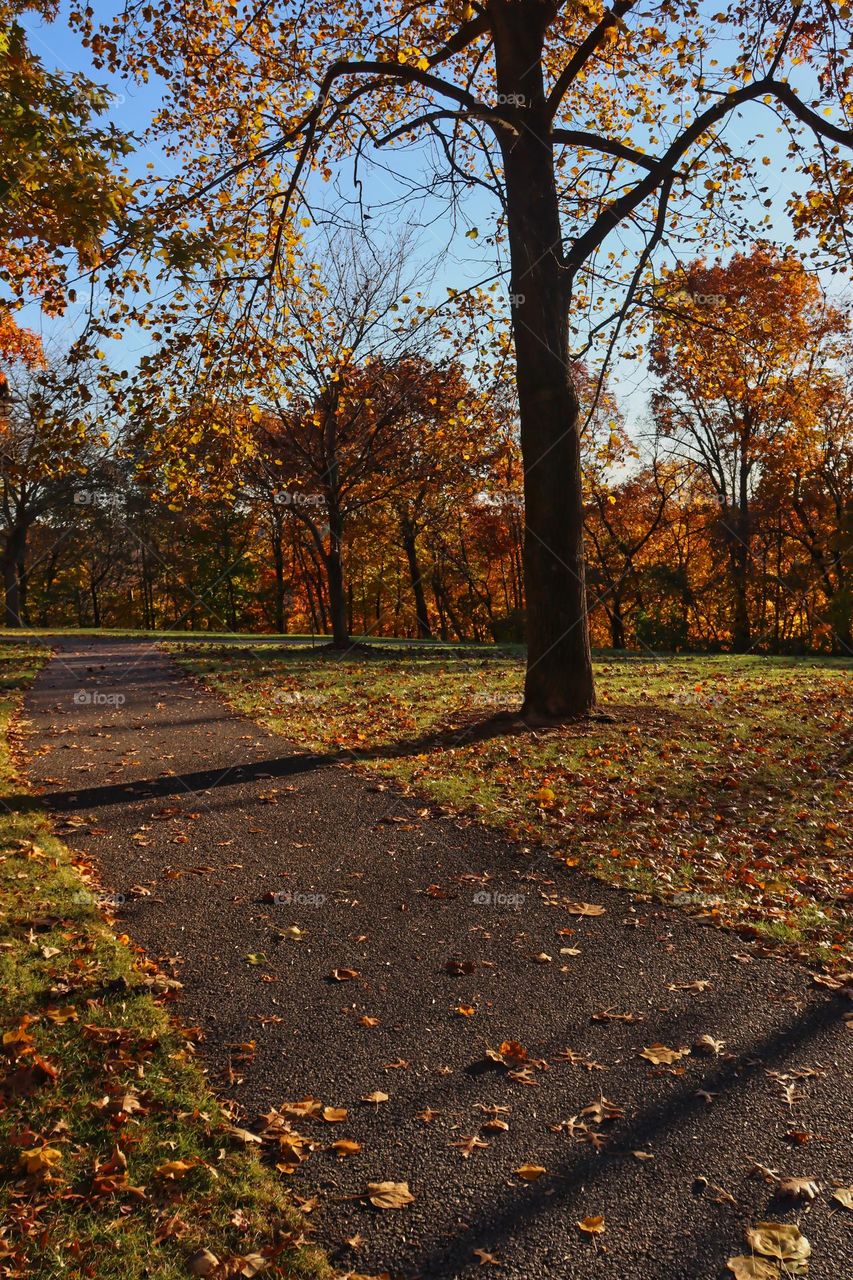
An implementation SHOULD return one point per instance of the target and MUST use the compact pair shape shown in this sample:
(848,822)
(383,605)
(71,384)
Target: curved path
(222,838)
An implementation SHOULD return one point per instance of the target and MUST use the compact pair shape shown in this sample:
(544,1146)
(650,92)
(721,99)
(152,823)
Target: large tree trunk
(421,611)
(738,525)
(559,679)
(13,558)
(337,593)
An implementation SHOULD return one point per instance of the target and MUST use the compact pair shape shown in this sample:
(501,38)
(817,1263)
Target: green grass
(723,783)
(100,1088)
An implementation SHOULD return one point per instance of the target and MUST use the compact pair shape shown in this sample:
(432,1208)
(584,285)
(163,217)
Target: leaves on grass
(174,1170)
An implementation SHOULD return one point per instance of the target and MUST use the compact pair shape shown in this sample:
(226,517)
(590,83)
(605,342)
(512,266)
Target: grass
(722,783)
(117,1162)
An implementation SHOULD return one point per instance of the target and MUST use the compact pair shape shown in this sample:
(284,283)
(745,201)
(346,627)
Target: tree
(47,444)
(583,121)
(744,353)
(59,189)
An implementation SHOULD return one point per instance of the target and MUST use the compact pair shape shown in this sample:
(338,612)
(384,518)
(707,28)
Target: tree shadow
(566,1189)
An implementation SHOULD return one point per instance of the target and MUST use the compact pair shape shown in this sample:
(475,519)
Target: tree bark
(337,594)
(421,611)
(13,557)
(559,682)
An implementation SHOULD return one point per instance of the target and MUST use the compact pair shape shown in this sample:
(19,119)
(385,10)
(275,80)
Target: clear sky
(445,253)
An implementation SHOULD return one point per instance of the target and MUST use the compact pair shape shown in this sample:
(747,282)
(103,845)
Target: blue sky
(466,261)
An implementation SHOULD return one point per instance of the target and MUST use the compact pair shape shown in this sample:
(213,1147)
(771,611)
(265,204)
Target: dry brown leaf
(389,1195)
(334,1115)
(486,1259)
(844,1196)
(344,975)
(202,1263)
(782,1240)
(530,1172)
(376,1097)
(744,1267)
(660,1055)
(708,1045)
(584,909)
(798,1188)
(592,1225)
(346,1147)
(172,1170)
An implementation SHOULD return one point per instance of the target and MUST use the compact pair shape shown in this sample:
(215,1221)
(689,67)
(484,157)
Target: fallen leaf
(708,1045)
(172,1170)
(530,1172)
(389,1195)
(584,909)
(334,1115)
(202,1263)
(377,1096)
(798,1188)
(346,1147)
(782,1240)
(593,1225)
(844,1196)
(744,1267)
(660,1055)
(486,1259)
(344,975)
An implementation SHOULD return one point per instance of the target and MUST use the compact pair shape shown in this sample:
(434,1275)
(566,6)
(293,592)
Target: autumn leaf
(782,1240)
(530,1172)
(174,1170)
(203,1263)
(844,1197)
(389,1195)
(344,975)
(798,1188)
(334,1115)
(746,1267)
(660,1055)
(584,909)
(346,1147)
(593,1225)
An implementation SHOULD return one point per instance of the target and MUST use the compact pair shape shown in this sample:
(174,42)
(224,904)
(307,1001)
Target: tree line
(382,494)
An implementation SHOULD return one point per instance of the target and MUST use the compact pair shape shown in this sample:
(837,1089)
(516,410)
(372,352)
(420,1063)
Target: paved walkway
(226,842)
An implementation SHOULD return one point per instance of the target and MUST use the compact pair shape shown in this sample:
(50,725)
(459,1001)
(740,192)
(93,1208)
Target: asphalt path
(254,871)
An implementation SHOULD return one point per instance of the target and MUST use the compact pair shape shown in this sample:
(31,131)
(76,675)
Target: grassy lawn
(116,1161)
(722,783)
